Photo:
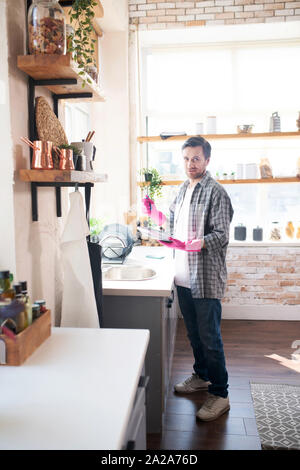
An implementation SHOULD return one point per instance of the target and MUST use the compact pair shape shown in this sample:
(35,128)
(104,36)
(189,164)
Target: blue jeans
(202,319)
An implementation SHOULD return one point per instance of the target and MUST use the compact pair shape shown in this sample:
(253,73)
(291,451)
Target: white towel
(79,307)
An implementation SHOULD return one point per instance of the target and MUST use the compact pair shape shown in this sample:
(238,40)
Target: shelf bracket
(58,186)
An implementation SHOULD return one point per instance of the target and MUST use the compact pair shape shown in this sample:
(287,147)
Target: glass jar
(93,72)
(70,39)
(46,28)
(275,232)
(5,285)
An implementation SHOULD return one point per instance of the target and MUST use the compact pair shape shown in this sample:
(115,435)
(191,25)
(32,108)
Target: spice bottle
(36,312)
(5,285)
(28,306)
(21,319)
(42,305)
(46,28)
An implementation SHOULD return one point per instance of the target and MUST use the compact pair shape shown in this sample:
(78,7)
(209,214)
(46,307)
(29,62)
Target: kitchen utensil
(275,122)
(244,128)
(28,142)
(48,126)
(90,136)
(240,232)
(42,155)
(87,149)
(66,159)
(117,242)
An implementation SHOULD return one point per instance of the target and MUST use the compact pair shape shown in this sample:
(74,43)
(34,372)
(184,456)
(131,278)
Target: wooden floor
(246,345)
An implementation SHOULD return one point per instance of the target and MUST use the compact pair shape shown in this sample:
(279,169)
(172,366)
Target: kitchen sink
(128,273)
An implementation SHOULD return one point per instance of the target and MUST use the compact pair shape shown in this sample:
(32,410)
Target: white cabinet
(158,315)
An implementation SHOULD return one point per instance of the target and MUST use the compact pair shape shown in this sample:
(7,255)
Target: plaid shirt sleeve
(218,222)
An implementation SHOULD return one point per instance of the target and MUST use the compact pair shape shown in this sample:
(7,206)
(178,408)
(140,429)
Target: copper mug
(66,159)
(42,155)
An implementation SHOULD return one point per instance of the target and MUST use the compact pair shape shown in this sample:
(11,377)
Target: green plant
(96,227)
(81,45)
(153,182)
(76,150)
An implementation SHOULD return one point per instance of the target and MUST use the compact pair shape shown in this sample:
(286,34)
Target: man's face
(194,162)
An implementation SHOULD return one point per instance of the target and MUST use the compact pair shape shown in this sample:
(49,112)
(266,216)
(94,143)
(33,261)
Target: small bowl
(245,128)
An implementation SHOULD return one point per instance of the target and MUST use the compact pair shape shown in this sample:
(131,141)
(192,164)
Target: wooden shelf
(244,181)
(55,67)
(61,176)
(261,135)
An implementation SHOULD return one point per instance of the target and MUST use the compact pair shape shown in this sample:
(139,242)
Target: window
(239,83)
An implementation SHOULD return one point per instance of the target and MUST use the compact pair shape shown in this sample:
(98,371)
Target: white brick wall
(263,276)
(154,14)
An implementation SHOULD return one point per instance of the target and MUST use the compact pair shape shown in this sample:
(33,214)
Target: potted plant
(225,176)
(81,45)
(96,227)
(153,182)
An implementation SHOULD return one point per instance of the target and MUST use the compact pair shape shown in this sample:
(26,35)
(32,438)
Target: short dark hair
(198,142)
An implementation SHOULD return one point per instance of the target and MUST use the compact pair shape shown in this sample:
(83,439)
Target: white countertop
(159,286)
(75,392)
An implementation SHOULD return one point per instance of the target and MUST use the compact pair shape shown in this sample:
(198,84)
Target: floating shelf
(261,135)
(59,179)
(59,67)
(61,176)
(244,181)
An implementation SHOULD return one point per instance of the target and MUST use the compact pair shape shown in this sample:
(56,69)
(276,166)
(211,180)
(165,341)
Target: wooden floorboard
(247,343)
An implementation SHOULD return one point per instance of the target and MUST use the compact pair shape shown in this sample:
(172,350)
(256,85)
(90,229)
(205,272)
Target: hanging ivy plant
(81,45)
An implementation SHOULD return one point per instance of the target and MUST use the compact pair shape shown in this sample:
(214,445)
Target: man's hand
(150,209)
(191,245)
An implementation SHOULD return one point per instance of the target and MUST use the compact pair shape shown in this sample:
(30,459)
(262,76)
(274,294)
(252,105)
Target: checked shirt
(210,215)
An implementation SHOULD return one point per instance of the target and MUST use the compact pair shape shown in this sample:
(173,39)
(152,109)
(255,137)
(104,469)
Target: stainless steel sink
(128,273)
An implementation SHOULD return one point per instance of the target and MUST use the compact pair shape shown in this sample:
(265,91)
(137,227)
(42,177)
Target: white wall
(110,120)
(36,245)
(7,231)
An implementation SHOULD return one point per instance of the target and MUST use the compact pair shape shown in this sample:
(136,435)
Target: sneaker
(191,384)
(213,407)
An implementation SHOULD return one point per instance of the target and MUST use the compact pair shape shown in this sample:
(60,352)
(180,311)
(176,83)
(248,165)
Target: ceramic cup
(211,124)
(199,128)
(86,147)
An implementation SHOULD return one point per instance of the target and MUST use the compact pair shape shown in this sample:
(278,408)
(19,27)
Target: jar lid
(40,302)
(4,274)
(18,288)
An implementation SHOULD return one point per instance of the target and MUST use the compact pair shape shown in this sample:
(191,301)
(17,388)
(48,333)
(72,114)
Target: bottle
(5,285)
(42,305)
(28,306)
(21,319)
(36,312)
(46,28)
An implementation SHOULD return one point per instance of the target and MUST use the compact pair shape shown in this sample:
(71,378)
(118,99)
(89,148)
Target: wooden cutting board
(47,124)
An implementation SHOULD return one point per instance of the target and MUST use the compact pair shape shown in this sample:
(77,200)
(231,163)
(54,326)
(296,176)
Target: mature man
(200,217)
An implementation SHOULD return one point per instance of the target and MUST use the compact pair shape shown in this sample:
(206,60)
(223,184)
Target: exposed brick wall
(154,14)
(263,276)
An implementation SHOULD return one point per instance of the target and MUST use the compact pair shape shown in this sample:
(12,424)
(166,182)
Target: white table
(75,392)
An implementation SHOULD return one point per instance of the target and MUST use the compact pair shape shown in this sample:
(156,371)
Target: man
(200,218)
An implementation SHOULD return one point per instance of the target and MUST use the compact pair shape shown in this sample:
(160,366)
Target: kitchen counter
(75,392)
(159,286)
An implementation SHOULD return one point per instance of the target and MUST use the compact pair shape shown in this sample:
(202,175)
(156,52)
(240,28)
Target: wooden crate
(27,341)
